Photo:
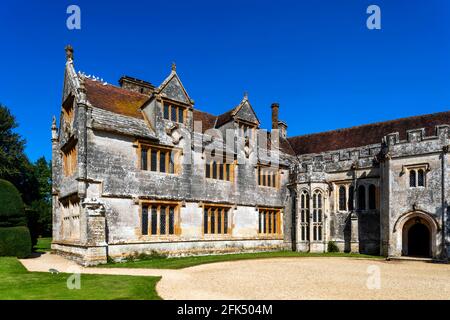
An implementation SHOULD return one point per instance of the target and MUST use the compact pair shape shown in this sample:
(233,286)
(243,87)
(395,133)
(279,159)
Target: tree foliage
(32,180)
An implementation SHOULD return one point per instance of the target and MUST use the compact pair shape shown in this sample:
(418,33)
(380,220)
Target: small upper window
(173,112)
(342,198)
(417,178)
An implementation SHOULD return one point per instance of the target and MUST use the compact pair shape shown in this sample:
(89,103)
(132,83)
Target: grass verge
(19,284)
(184,262)
(43,245)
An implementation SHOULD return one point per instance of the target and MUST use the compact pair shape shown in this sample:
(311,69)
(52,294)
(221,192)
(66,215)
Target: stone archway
(415,233)
(416,238)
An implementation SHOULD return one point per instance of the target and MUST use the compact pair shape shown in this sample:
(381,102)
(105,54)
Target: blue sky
(316,58)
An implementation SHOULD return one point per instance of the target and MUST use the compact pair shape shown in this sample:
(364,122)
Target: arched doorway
(419,240)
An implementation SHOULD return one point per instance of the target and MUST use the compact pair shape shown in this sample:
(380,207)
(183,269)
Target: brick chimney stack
(275,107)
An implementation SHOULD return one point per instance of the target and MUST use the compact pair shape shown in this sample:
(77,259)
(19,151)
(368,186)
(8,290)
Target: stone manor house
(137,169)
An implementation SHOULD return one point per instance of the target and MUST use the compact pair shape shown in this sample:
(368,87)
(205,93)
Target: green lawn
(43,245)
(184,262)
(18,284)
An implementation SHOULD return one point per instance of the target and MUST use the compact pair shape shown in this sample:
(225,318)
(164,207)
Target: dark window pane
(269,179)
(260,222)
(153,164)
(372,197)
(412,178)
(154,221)
(221,171)
(219,221)
(420,178)
(173,114)
(264,221)
(227,166)
(351,193)
(259,176)
(180,115)
(205,221)
(225,221)
(144,220)
(214,168)
(171,220)
(319,200)
(275,222)
(208,170)
(162,220)
(362,198)
(213,222)
(166,111)
(342,198)
(162,161)
(320,233)
(144,153)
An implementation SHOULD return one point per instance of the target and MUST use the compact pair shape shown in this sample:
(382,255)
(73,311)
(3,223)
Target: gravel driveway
(285,278)
(309,278)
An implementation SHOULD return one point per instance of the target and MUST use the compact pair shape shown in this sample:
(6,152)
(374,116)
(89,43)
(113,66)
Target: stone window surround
(276,174)
(310,228)
(279,223)
(177,229)
(214,236)
(347,185)
(415,167)
(173,105)
(226,178)
(177,157)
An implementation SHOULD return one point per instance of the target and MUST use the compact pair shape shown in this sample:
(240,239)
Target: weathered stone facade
(144,179)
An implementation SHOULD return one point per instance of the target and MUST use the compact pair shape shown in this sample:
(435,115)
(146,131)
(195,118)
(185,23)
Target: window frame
(176,152)
(414,169)
(262,179)
(217,211)
(158,204)
(214,170)
(172,105)
(69,154)
(277,221)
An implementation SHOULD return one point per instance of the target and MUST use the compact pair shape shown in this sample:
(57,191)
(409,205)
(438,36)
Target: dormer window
(173,112)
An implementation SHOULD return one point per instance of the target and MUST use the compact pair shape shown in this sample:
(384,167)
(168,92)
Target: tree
(42,207)
(14,164)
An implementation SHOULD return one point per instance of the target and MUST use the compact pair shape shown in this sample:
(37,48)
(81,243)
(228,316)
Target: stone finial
(174,66)
(53,123)
(245,95)
(69,52)
(54,130)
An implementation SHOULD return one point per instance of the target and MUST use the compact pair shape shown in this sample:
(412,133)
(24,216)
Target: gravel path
(286,278)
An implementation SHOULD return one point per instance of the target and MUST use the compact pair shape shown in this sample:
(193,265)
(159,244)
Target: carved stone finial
(69,52)
(54,123)
(245,95)
(174,66)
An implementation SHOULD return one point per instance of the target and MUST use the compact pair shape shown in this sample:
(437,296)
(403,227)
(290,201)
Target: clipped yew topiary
(12,209)
(15,237)
(15,242)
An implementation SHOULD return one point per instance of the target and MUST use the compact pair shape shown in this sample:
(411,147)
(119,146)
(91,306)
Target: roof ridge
(370,124)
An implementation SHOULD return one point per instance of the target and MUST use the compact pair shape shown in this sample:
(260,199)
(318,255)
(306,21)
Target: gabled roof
(231,114)
(365,134)
(173,89)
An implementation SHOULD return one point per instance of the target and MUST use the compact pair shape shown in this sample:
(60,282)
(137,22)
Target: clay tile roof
(115,99)
(225,117)
(208,120)
(366,134)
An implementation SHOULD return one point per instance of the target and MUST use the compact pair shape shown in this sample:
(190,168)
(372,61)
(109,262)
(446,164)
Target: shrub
(15,242)
(12,211)
(332,247)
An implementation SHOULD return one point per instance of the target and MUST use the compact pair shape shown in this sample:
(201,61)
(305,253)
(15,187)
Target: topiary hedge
(332,247)
(12,209)
(15,242)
